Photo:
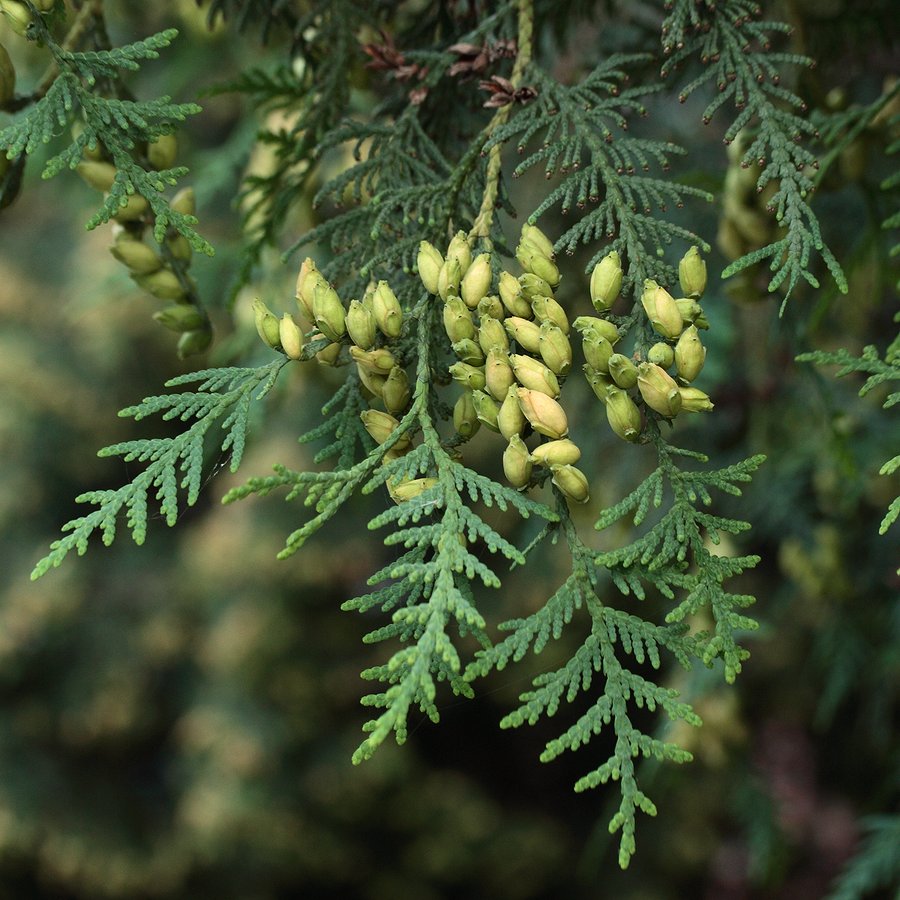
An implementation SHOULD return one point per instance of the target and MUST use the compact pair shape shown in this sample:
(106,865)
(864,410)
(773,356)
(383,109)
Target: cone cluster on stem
(660,379)
(366,334)
(514,352)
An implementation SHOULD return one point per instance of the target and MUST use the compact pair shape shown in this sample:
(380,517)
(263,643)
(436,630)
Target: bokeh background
(177,720)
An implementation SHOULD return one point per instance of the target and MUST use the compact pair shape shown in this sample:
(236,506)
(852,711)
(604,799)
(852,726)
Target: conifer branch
(613,633)
(120,125)
(880,371)
(734,47)
(876,864)
(411,183)
(430,585)
(584,140)
(271,13)
(671,556)
(80,25)
(223,397)
(838,130)
(316,99)
(416,190)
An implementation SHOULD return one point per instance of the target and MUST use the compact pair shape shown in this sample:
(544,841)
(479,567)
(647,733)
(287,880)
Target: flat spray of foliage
(77,85)
(466,105)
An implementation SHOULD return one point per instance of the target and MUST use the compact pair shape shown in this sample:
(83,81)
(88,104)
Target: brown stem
(481,228)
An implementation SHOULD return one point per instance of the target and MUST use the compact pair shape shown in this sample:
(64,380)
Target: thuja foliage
(840,130)
(120,125)
(124,147)
(222,399)
(735,48)
(438,332)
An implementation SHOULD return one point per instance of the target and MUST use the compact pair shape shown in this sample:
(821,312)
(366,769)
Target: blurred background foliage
(177,720)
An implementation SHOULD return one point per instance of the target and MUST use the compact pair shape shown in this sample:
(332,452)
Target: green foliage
(431,583)
(413,188)
(662,556)
(611,630)
(270,13)
(670,555)
(892,182)
(120,124)
(315,94)
(407,187)
(223,397)
(734,46)
(840,131)
(409,151)
(583,139)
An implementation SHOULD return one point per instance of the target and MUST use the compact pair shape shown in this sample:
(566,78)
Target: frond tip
(734,47)
(118,125)
(670,557)
(432,585)
(174,465)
